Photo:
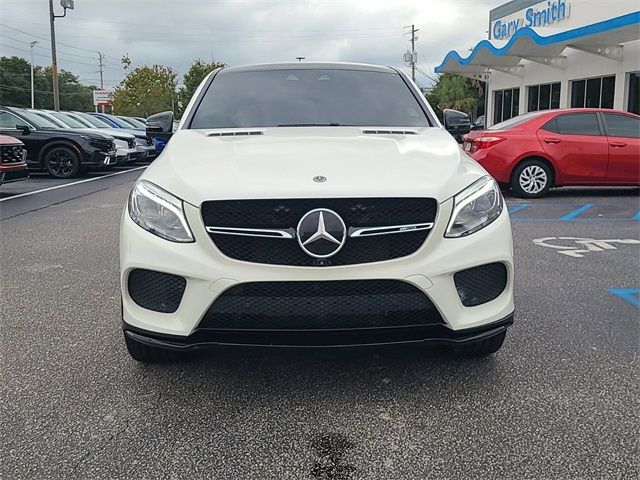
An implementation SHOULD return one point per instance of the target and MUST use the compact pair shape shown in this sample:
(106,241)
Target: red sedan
(553,148)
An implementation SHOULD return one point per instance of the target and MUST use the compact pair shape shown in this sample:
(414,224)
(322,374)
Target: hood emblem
(319,179)
(321,233)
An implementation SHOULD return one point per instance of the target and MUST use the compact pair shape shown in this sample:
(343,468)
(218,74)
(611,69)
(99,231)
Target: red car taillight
(486,142)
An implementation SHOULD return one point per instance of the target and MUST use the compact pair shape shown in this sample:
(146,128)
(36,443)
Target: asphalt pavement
(561,399)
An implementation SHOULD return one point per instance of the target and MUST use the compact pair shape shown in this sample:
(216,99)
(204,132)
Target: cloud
(241,31)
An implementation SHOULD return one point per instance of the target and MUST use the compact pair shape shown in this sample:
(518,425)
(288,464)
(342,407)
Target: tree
(454,91)
(15,86)
(192,79)
(145,91)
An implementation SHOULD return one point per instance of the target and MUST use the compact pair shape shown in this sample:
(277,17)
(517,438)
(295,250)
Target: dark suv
(63,153)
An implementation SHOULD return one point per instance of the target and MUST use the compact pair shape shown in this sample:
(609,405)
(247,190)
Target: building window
(505,104)
(593,92)
(543,97)
(634,93)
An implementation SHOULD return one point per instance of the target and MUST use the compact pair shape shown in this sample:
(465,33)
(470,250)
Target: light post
(32,44)
(54,60)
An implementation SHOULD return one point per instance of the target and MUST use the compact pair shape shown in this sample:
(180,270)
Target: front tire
(144,353)
(62,162)
(531,179)
(483,348)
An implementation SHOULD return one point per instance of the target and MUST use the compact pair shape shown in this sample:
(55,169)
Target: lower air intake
(157,291)
(482,284)
(317,306)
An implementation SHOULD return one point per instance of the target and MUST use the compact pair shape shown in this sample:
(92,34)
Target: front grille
(131,142)
(11,153)
(482,284)
(157,291)
(318,306)
(285,214)
(149,142)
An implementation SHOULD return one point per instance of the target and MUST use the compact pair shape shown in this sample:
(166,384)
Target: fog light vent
(157,291)
(482,284)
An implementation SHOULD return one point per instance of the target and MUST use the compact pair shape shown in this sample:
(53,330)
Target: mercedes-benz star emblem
(321,233)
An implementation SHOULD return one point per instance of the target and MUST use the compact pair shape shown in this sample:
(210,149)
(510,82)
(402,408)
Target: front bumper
(433,335)
(99,159)
(13,173)
(208,274)
(127,155)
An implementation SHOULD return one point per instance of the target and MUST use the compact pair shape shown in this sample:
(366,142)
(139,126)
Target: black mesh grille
(284,214)
(331,305)
(11,153)
(482,284)
(161,292)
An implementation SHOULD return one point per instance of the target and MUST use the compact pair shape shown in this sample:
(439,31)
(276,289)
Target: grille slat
(317,306)
(286,213)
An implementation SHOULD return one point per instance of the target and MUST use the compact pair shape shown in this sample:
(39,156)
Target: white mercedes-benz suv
(313,205)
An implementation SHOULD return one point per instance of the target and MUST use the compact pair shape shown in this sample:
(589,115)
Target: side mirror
(160,125)
(24,129)
(456,123)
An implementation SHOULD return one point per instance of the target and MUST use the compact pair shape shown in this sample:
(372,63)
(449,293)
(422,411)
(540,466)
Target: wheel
(62,162)
(483,348)
(147,354)
(531,179)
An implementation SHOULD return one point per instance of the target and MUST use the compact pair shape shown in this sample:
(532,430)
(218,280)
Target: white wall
(579,65)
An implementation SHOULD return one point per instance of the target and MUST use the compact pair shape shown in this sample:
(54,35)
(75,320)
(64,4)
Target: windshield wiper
(310,125)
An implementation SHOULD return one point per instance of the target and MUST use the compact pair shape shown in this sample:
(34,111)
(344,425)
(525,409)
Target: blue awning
(526,43)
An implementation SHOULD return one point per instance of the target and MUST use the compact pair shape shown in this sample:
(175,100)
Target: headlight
(159,212)
(475,207)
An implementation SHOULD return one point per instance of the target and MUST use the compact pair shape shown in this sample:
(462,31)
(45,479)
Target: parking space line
(69,184)
(630,295)
(517,208)
(578,211)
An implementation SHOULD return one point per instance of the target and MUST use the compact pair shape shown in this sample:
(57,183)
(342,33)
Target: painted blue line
(517,208)
(636,217)
(631,295)
(598,219)
(571,215)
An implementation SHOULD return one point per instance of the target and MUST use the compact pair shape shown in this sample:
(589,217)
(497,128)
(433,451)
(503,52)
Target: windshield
(515,121)
(131,122)
(37,120)
(69,121)
(308,97)
(95,121)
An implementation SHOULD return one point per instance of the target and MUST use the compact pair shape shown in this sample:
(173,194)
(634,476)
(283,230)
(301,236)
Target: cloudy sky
(174,33)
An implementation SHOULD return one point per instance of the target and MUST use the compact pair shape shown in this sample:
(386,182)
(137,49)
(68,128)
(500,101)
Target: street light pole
(32,44)
(54,59)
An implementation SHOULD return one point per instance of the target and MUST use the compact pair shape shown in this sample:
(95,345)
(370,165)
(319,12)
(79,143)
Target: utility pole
(32,44)
(54,60)
(413,56)
(101,67)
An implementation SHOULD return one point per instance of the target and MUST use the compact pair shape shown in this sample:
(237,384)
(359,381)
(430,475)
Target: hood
(7,140)
(86,132)
(199,165)
(112,132)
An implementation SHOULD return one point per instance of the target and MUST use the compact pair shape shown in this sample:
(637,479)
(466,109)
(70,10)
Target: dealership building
(556,54)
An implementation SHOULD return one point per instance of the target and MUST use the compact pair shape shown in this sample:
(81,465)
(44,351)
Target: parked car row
(67,143)
(536,151)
